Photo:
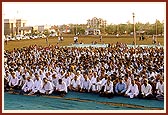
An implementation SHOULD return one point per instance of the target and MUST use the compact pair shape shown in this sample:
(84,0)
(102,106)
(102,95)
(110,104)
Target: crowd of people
(117,70)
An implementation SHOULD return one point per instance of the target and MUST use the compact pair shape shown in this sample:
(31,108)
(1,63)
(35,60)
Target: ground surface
(78,101)
(69,40)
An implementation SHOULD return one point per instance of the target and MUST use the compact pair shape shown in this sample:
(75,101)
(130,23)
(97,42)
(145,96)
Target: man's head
(28,78)
(120,79)
(45,80)
(145,81)
(60,81)
(132,82)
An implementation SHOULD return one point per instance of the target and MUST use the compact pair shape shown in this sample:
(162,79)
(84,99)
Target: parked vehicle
(19,37)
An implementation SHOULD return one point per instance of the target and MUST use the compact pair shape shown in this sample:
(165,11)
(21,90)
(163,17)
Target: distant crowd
(116,70)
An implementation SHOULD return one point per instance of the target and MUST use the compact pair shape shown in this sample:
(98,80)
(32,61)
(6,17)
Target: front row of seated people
(104,86)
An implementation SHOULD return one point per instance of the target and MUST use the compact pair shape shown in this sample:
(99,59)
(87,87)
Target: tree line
(123,29)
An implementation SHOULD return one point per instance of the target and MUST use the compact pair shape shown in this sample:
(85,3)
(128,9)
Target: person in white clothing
(127,81)
(47,87)
(61,88)
(54,81)
(93,82)
(97,85)
(41,74)
(48,76)
(103,82)
(132,90)
(22,81)
(38,84)
(28,85)
(108,89)
(85,84)
(75,84)
(67,80)
(13,82)
(146,90)
(160,89)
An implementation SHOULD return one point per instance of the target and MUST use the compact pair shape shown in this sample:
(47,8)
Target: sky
(58,13)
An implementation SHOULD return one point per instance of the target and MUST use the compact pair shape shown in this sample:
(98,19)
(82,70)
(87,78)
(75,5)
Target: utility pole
(156,30)
(76,29)
(134,29)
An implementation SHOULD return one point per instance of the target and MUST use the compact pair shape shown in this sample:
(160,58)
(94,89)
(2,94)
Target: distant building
(26,30)
(96,23)
(12,27)
(140,32)
(41,28)
(9,27)
(91,31)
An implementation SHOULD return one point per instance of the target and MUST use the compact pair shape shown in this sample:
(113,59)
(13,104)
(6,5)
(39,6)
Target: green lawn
(69,40)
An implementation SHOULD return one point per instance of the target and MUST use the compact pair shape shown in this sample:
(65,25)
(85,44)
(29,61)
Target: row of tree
(122,29)
(149,29)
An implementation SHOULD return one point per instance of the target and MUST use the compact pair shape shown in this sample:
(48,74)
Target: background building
(9,27)
(14,27)
(96,23)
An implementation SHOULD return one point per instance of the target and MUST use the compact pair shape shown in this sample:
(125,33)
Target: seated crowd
(113,71)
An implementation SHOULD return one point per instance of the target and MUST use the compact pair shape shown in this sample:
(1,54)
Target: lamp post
(134,30)
(76,29)
(156,30)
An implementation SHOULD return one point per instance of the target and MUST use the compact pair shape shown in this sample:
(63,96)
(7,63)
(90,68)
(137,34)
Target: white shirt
(75,83)
(55,81)
(38,84)
(146,90)
(128,82)
(26,74)
(132,89)
(109,88)
(85,84)
(98,85)
(13,81)
(28,84)
(67,81)
(72,75)
(93,80)
(42,76)
(48,86)
(160,88)
(18,74)
(103,82)
(49,78)
(62,87)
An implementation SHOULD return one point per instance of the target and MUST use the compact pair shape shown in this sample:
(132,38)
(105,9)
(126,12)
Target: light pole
(156,30)
(76,29)
(134,30)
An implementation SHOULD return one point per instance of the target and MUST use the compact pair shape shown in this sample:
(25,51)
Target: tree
(46,32)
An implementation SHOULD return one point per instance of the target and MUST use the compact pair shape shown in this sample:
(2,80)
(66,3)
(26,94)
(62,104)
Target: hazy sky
(78,12)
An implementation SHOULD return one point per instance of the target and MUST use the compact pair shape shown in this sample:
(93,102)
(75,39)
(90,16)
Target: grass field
(69,40)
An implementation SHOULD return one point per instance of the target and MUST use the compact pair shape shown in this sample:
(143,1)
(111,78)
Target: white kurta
(62,87)
(132,90)
(28,85)
(146,90)
(54,81)
(75,83)
(103,82)
(38,84)
(67,81)
(48,87)
(98,86)
(160,88)
(85,84)
(13,81)
(18,75)
(109,88)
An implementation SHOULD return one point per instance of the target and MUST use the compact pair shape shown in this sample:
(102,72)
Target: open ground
(68,40)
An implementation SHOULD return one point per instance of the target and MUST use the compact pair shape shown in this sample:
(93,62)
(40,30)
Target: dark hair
(60,80)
